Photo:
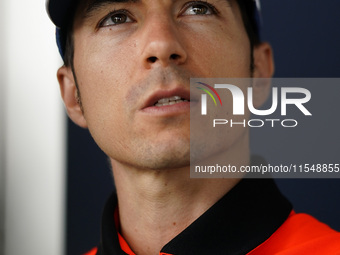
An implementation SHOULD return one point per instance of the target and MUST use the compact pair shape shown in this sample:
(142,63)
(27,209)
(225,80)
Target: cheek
(220,51)
(105,56)
(103,81)
(103,72)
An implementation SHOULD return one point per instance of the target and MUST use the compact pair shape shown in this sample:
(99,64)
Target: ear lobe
(263,68)
(69,95)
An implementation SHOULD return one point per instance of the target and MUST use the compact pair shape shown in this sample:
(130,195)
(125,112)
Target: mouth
(168,98)
(170,101)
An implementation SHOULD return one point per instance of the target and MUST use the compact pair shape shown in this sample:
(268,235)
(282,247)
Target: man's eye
(199,8)
(115,18)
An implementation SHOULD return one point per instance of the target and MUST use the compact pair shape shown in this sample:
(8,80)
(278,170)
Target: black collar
(240,221)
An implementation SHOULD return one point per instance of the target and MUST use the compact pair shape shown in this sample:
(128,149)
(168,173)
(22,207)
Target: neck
(155,206)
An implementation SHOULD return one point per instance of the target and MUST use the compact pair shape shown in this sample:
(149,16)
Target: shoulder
(301,234)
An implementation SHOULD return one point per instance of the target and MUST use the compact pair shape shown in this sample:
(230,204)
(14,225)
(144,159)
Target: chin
(167,157)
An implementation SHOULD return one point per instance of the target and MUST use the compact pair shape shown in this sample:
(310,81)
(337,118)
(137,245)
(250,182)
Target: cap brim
(60,11)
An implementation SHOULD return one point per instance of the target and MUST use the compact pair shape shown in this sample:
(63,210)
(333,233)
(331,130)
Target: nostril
(152,59)
(174,56)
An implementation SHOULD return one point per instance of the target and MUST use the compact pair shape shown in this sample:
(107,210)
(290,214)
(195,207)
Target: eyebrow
(97,4)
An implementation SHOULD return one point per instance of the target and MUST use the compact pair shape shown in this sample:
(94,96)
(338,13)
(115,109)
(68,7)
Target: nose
(162,45)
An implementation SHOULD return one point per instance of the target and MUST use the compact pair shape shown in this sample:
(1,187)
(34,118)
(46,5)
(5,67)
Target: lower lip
(173,109)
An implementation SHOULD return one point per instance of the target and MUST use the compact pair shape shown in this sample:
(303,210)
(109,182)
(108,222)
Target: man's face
(132,54)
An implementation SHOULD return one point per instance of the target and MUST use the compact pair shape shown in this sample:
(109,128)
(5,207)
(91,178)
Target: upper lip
(159,94)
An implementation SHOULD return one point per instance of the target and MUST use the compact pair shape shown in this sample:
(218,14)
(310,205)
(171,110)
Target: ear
(70,97)
(263,68)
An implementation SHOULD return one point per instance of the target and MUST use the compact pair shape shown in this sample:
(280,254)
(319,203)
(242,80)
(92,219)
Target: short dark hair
(248,12)
(247,9)
(69,47)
